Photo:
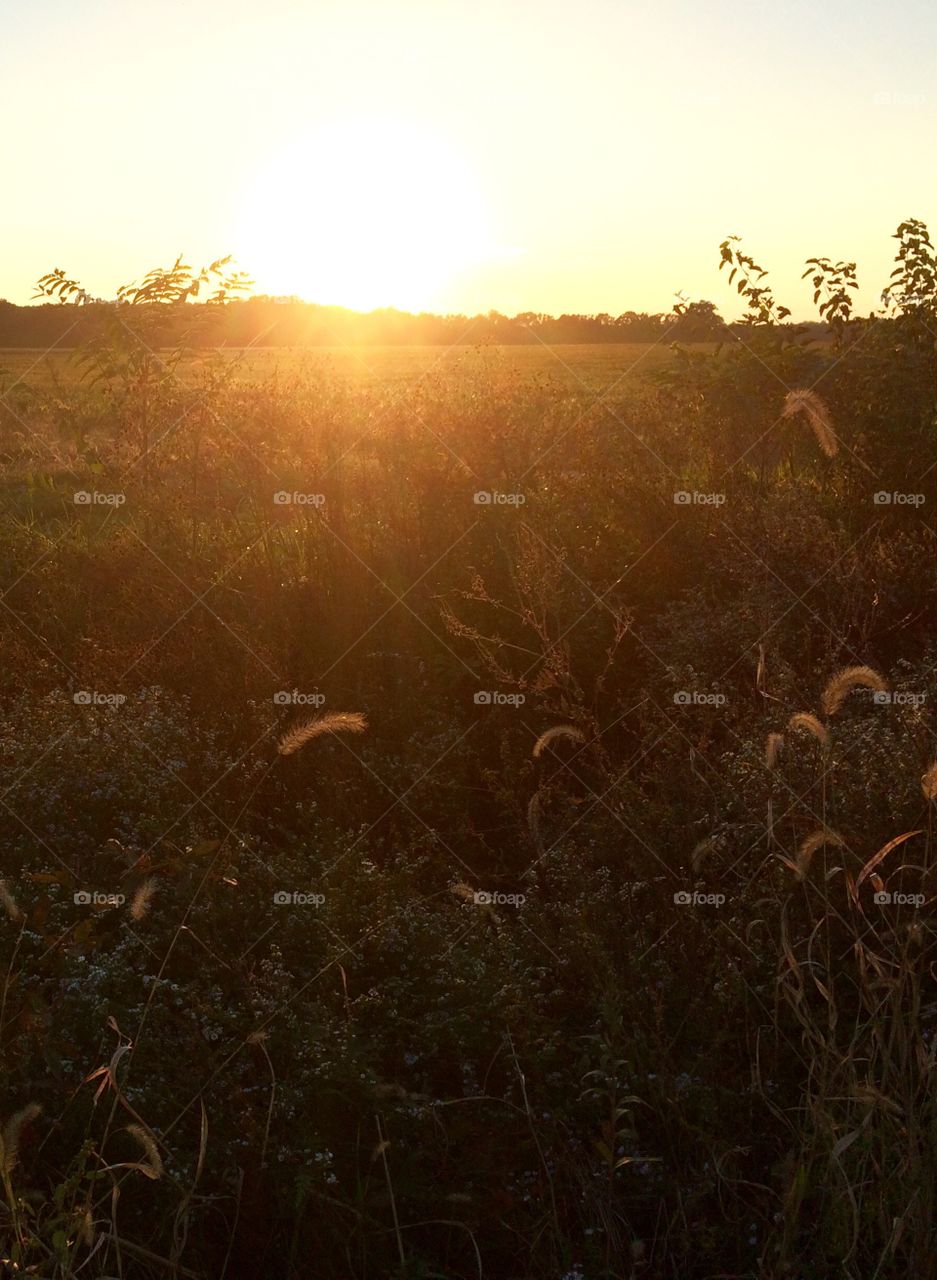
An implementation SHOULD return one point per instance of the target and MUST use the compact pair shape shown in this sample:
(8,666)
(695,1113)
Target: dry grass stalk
(817,414)
(334,722)
(846,682)
(810,724)
(816,840)
(568,731)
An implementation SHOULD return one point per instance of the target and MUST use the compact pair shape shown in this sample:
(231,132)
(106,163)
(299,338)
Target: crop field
(591,367)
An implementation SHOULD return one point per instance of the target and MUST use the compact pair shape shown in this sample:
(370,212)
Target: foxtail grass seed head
(8,902)
(142,899)
(817,414)
(10,1134)
(85,1227)
(846,682)
(816,840)
(773,745)
(334,722)
(567,731)
(702,851)
(929,783)
(152,1166)
(806,722)
(534,813)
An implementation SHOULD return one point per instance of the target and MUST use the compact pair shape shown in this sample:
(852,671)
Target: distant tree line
(267,321)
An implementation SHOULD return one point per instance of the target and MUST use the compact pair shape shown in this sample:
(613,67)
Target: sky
(465,155)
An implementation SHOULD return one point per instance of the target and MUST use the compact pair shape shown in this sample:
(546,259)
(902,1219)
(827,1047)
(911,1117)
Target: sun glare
(364,214)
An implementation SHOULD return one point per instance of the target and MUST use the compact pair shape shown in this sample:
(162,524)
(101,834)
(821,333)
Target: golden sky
(464,156)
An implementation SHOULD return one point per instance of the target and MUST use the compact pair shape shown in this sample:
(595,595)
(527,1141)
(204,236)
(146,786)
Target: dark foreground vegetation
(427,989)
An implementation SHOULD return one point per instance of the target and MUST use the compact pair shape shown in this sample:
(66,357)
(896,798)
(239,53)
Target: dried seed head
(8,902)
(10,1135)
(929,783)
(816,840)
(568,731)
(152,1166)
(846,682)
(806,721)
(140,903)
(817,414)
(336,722)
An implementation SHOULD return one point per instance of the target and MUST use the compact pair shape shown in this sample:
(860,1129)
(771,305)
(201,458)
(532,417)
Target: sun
(364,214)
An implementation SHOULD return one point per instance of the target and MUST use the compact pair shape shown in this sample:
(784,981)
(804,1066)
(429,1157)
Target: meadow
(591,366)
(470,813)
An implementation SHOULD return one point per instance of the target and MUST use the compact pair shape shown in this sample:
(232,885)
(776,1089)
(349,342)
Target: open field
(593,366)
(564,939)
(468,621)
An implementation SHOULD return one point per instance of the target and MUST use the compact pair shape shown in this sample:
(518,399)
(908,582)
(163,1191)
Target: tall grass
(429,1000)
